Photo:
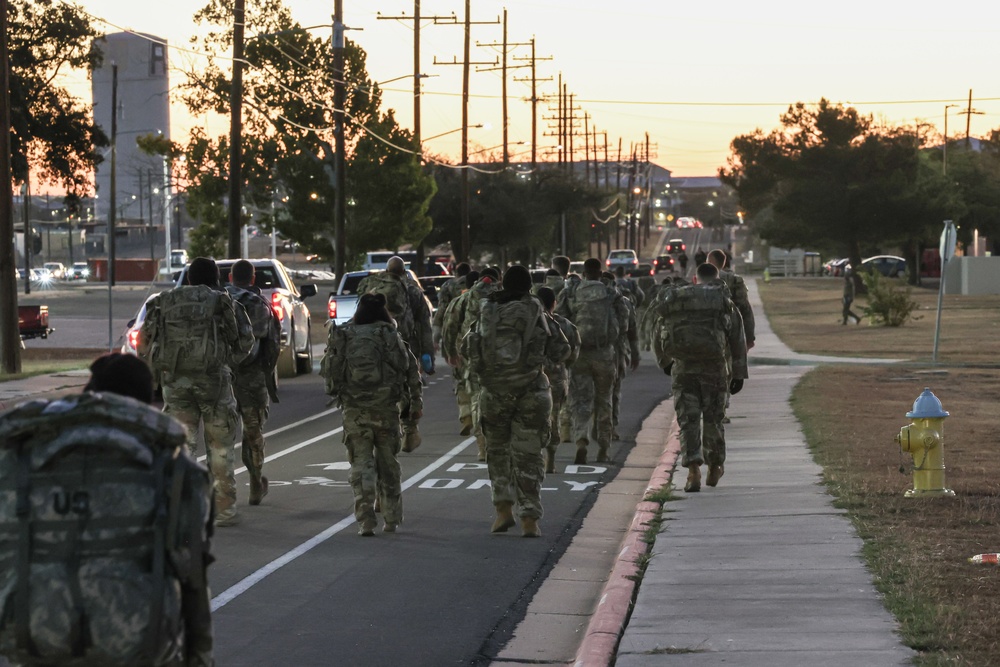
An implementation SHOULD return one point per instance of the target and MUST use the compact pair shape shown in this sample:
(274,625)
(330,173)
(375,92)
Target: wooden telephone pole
(533,60)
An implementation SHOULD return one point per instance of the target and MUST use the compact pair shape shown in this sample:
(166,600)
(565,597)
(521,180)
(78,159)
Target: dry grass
(805,313)
(949,610)
(39,361)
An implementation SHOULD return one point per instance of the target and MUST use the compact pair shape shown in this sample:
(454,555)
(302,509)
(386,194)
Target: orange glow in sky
(692,75)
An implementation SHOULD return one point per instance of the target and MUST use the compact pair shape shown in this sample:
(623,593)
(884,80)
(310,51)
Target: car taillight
(635,262)
(607,262)
(276,305)
(133,339)
(331,310)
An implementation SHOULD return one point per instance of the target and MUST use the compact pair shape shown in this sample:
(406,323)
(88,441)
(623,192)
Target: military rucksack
(188,340)
(103,515)
(396,299)
(356,361)
(691,324)
(265,351)
(594,314)
(500,348)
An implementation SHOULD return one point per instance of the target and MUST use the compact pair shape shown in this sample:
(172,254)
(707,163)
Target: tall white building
(143,108)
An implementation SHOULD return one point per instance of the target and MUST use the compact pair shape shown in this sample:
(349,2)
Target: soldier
(193,335)
(371,372)
(450,291)
(461,317)
(626,348)
(253,378)
(646,315)
(698,332)
(600,316)
(848,298)
(407,305)
(628,287)
(507,350)
(558,372)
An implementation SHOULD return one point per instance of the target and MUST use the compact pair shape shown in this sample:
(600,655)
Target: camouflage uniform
(462,315)
(515,401)
(701,388)
(741,299)
(450,291)
(625,348)
(251,380)
(204,397)
(558,374)
(593,374)
(372,416)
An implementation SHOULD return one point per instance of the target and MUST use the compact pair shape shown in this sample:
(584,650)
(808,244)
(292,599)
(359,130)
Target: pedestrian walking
(254,383)
(699,341)
(558,373)
(193,335)
(846,312)
(512,341)
(371,373)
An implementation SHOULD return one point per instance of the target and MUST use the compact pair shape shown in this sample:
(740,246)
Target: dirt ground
(917,548)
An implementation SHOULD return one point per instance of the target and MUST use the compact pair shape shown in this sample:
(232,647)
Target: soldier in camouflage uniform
(600,314)
(701,386)
(512,340)
(646,314)
(448,292)
(413,319)
(371,372)
(626,346)
(253,378)
(192,335)
(737,292)
(558,373)
(461,317)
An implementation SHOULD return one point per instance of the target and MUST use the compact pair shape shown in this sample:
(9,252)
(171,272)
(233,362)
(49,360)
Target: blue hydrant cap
(927,406)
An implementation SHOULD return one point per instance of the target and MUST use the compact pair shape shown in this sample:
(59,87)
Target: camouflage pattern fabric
(447,293)
(516,427)
(592,380)
(96,591)
(558,374)
(372,439)
(421,339)
(252,452)
(700,405)
(209,402)
(623,357)
(741,298)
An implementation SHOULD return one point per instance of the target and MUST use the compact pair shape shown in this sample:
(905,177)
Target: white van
(376,261)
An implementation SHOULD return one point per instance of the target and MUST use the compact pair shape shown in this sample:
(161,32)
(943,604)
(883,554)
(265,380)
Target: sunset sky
(693,75)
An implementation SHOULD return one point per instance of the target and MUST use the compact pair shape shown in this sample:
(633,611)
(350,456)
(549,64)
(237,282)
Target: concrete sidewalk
(761,570)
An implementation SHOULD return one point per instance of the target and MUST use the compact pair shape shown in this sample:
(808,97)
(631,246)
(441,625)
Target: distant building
(143,108)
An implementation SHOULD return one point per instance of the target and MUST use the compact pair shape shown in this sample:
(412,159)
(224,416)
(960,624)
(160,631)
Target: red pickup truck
(33,322)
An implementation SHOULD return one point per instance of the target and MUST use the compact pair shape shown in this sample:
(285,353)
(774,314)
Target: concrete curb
(600,641)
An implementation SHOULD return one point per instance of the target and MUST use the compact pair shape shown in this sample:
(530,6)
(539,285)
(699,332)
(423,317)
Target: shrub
(888,304)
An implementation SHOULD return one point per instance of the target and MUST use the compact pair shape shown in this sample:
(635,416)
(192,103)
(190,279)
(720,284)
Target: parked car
(57,269)
(642,269)
(888,265)
(675,246)
(286,298)
(341,305)
(130,339)
(836,267)
(663,263)
(79,271)
(576,267)
(32,275)
(621,257)
(377,260)
(33,322)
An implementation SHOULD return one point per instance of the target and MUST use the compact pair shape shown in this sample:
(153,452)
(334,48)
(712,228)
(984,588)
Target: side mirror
(306,291)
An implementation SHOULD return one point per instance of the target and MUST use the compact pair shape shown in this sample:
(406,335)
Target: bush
(888,305)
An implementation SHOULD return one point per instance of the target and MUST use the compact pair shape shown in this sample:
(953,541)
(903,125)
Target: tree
(832,179)
(287,136)
(976,177)
(52,133)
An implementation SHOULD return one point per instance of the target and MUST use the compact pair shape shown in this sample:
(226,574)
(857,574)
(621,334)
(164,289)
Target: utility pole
(586,149)
(236,132)
(505,47)
(968,118)
(534,101)
(10,351)
(618,191)
(340,143)
(113,195)
(466,238)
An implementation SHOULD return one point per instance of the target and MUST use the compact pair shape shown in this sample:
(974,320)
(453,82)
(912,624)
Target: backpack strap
(22,605)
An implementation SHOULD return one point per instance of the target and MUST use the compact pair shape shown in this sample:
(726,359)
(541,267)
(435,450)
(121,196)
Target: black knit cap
(122,374)
(517,279)
(371,308)
(203,271)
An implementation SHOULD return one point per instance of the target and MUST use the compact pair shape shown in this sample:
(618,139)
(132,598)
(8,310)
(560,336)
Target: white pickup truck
(342,303)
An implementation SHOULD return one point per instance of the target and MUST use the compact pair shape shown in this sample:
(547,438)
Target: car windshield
(264,276)
(622,254)
(351,282)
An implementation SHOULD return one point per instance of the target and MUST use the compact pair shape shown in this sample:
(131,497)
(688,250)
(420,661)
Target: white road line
(295,448)
(287,427)
(241,587)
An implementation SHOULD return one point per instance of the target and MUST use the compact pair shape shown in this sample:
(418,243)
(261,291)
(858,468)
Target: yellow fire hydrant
(923,438)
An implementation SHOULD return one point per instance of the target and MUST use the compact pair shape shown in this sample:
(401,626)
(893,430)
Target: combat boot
(367,528)
(411,440)
(581,452)
(550,459)
(226,518)
(389,527)
(602,455)
(505,517)
(377,507)
(715,473)
(466,425)
(529,527)
(693,484)
(481,449)
(258,489)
